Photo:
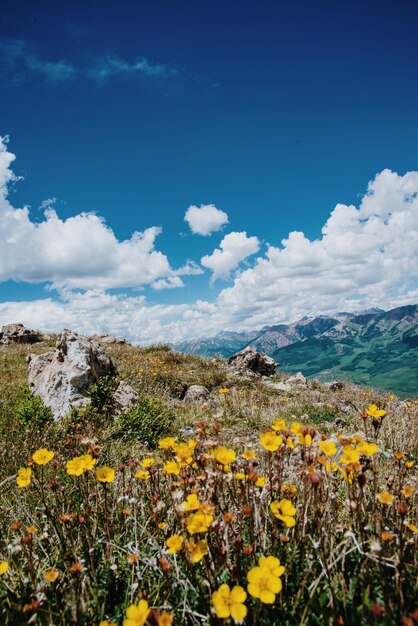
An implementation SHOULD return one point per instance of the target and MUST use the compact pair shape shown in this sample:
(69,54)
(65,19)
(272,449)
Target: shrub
(31,411)
(147,420)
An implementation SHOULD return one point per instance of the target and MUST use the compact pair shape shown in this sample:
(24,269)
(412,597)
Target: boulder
(196,393)
(17,333)
(123,397)
(334,385)
(249,360)
(63,377)
(296,380)
(110,339)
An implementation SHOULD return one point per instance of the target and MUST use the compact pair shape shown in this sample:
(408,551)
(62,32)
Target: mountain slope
(376,348)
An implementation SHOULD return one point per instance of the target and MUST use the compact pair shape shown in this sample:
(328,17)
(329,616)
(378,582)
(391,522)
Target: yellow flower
(284,511)
(51,575)
(199,522)
(165,619)
(191,503)
(24,477)
(137,614)
(230,602)
(272,564)
(373,411)
(295,427)
(166,443)
(174,543)
(142,474)
(290,443)
(263,585)
(367,449)
(279,424)
(349,456)
(305,440)
(132,558)
(42,456)
(289,488)
(197,549)
(4,566)
(184,451)
(105,474)
(412,527)
(88,461)
(409,464)
(408,491)
(224,455)
(261,481)
(270,441)
(328,447)
(171,467)
(248,455)
(75,466)
(32,530)
(223,390)
(107,623)
(385,497)
(239,476)
(147,462)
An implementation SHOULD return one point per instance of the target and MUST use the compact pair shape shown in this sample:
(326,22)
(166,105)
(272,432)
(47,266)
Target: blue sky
(274,112)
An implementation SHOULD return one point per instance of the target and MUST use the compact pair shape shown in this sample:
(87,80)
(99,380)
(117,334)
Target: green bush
(101,394)
(148,420)
(31,411)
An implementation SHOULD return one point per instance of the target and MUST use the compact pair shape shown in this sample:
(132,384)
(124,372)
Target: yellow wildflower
(374,412)
(239,476)
(224,455)
(412,527)
(171,467)
(42,456)
(165,619)
(263,585)
(248,455)
(4,566)
(51,575)
(24,477)
(191,503)
(105,474)
(261,481)
(270,441)
(142,474)
(223,390)
(199,522)
(328,447)
(272,564)
(88,461)
(295,428)
(408,491)
(147,462)
(137,614)
(279,424)
(197,549)
(367,449)
(305,440)
(174,543)
(229,602)
(166,443)
(75,466)
(349,456)
(284,511)
(385,497)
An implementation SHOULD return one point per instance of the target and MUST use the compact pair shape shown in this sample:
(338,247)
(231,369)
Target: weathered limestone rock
(256,362)
(296,380)
(63,377)
(334,385)
(17,333)
(123,397)
(196,393)
(112,340)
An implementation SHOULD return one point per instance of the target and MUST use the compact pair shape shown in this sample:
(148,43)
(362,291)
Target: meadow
(257,507)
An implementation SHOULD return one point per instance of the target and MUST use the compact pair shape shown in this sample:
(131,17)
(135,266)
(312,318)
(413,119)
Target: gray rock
(196,393)
(112,340)
(296,380)
(17,333)
(334,385)
(249,360)
(123,397)
(63,377)
(280,386)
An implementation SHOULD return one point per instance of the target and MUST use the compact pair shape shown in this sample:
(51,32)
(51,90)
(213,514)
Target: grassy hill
(153,517)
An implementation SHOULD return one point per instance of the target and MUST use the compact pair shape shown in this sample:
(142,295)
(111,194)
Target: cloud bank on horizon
(366,256)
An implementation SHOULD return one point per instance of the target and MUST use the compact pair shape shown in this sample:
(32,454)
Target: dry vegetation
(259,507)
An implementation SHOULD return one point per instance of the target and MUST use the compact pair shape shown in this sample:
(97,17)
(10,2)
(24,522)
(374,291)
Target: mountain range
(373,347)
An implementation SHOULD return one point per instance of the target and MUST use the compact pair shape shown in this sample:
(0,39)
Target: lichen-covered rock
(63,377)
(123,397)
(196,393)
(249,360)
(334,385)
(17,333)
(296,380)
(110,339)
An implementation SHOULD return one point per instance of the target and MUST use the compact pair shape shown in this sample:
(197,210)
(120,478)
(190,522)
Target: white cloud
(205,219)
(234,248)
(79,252)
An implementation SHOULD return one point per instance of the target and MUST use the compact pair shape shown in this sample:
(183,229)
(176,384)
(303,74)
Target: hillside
(376,348)
(173,509)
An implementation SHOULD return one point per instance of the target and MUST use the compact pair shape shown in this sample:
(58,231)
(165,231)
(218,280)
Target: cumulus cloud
(234,248)
(206,219)
(79,252)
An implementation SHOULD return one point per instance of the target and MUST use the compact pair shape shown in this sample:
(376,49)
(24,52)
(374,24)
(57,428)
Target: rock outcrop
(123,397)
(297,380)
(17,333)
(110,339)
(196,393)
(249,360)
(63,377)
